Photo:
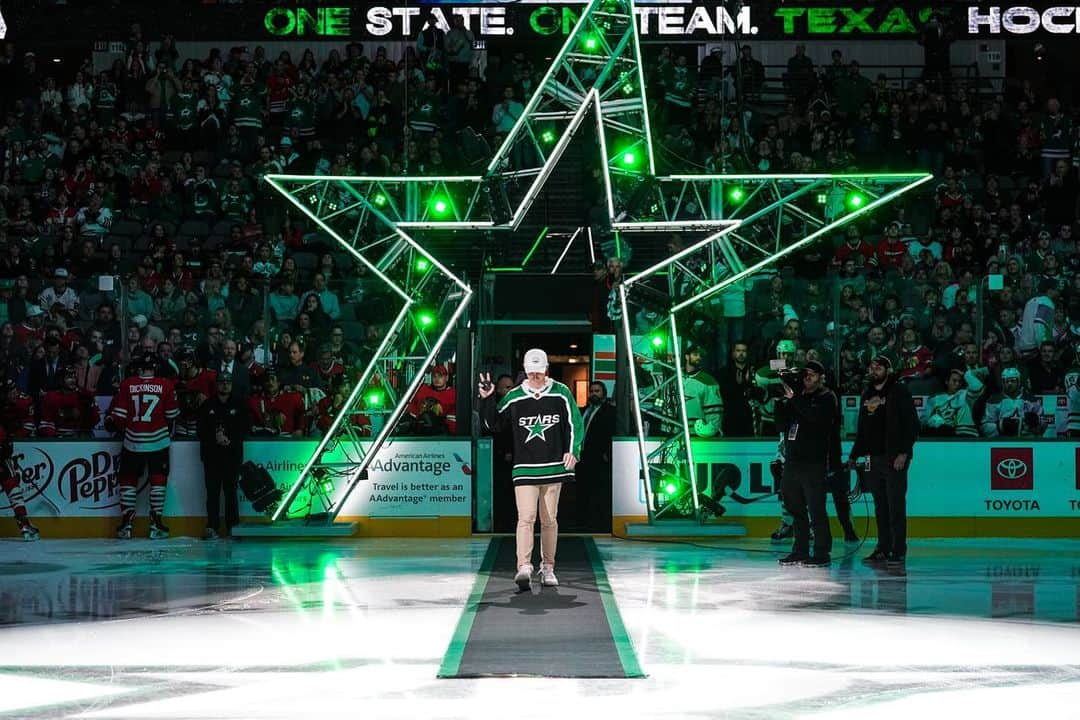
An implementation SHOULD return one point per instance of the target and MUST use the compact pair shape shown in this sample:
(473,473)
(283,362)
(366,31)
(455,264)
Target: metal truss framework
(664,305)
(382,221)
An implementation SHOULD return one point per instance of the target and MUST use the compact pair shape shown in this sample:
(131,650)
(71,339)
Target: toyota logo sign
(1012,468)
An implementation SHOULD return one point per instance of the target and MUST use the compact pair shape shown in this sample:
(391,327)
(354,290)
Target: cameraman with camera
(888,426)
(809,421)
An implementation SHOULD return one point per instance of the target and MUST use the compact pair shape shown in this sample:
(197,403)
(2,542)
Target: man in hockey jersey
(548,434)
(1012,412)
(10,483)
(223,424)
(275,411)
(143,410)
(949,413)
(193,386)
(1072,393)
(767,380)
(701,396)
(18,417)
(68,412)
(434,407)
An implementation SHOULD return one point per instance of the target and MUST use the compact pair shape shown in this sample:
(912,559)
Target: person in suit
(594,468)
(241,380)
(46,373)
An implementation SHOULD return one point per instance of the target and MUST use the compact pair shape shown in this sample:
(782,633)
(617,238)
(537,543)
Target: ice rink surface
(357,629)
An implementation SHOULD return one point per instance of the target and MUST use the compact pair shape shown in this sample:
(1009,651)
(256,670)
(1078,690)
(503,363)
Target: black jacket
(901,421)
(232,417)
(738,418)
(599,430)
(817,416)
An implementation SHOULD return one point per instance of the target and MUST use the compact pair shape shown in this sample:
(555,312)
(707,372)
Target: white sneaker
(524,577)
(547,576)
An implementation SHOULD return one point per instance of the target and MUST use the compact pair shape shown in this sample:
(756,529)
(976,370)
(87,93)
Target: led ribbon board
(597,76)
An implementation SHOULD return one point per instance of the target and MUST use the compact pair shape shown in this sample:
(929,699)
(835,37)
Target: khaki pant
(528,497)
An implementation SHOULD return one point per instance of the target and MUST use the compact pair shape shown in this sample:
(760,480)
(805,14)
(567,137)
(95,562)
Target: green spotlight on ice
(736,194)
(854,200)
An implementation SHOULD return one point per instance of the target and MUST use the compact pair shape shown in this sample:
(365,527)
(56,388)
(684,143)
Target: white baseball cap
(536,361)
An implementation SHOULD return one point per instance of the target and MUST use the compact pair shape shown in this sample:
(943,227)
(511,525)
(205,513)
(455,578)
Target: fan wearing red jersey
(68,412)
(143,409)
(434,407)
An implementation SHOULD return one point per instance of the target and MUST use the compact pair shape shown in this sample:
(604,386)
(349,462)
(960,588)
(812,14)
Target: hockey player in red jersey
(17,414)
(10,483)
(331,405)
(434,407)
(68,412)
(193,386)
(143,410)
(277,413)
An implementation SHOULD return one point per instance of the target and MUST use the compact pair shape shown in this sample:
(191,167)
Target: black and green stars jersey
(545,423)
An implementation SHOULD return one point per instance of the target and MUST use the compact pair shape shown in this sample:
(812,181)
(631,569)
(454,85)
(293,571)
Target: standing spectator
(223,425)
(459,50)
(884,442)
(736,388)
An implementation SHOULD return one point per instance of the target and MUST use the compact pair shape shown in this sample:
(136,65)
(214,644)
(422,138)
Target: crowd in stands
(150,172)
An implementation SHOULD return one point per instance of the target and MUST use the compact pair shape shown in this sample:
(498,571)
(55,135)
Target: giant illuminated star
(747,223)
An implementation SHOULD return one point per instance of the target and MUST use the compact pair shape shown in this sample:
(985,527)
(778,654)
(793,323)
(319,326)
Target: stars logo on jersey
(538,425)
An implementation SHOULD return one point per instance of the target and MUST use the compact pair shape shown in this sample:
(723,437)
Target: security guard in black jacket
(810,422)
(223,425)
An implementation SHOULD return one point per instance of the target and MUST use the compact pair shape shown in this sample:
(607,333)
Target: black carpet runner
(572,631)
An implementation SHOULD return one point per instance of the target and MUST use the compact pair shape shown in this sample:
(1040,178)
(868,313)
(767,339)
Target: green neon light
(327,21)
(379,200)
(547,137)
(536,244)
(591,43)
(736,194)
(657,341)
(855,200)
(426,318)
(591,96)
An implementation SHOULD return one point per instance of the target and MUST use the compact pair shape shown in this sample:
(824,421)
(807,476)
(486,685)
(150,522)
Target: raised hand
(486,387)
